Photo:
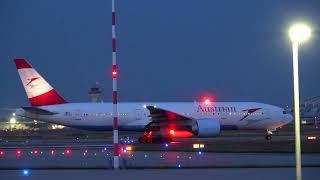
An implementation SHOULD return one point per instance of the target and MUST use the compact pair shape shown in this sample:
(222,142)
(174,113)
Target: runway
(95,156)
(246,155)
(97,163)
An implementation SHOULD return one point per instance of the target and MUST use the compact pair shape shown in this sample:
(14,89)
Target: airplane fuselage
(134,116)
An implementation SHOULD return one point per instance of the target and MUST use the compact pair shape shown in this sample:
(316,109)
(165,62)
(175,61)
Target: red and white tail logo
(38,90)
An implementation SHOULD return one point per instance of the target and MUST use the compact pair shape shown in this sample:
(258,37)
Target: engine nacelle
(208,128)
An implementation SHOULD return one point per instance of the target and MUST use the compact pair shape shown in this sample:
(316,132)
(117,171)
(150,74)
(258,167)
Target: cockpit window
(284,112)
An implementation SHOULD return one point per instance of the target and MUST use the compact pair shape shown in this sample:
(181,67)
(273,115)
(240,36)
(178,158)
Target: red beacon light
(1,153)
(68,152)
(114,71)
(18,153)
(35,152)
(207,101)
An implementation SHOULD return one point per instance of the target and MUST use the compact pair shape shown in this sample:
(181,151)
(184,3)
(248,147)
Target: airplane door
(138,114)
(77,115)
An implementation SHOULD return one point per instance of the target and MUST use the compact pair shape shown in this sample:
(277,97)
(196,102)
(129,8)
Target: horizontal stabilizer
(37,111)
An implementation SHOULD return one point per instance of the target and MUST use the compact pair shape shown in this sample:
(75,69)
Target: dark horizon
(167,50)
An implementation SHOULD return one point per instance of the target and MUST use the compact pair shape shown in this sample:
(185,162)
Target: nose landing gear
(268,135)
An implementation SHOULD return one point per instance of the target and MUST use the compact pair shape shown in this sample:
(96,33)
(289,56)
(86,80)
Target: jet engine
(207,128)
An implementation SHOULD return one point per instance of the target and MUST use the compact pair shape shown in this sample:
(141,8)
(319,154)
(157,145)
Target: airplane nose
(289,118)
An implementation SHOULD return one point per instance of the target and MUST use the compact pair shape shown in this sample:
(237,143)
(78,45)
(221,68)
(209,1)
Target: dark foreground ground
(233,155)
(166,174)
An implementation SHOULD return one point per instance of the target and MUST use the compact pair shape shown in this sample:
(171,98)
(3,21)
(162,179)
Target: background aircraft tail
(39,91)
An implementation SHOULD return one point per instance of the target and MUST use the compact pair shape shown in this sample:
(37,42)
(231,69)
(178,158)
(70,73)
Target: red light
(52,152)
(180,134)
(1,153)
(36,152)
(114,71)
(149,134)
(18,153)
(312,137)
(171,132)
(207,100)
(68,152)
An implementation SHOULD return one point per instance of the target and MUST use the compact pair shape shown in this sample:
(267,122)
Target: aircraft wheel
(268,137)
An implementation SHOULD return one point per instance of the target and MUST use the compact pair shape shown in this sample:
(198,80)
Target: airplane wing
(39,111)
(163,119)
(162,115)
(166,125)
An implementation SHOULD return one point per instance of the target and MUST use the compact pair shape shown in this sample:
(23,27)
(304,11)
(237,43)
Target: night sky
(168,50)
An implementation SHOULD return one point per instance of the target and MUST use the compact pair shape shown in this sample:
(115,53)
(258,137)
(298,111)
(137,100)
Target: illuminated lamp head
(299,32)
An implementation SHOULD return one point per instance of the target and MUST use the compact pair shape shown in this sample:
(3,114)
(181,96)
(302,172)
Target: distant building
(310,107)
(95,93)
(309,110)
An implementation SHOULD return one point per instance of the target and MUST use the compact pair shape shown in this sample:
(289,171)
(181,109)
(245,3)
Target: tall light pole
(298,33)
(114,91)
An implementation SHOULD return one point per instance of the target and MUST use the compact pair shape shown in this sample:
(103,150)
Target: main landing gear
(150,137)
(268,135)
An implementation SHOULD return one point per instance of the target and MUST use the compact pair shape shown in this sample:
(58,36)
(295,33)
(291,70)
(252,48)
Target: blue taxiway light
(26,172)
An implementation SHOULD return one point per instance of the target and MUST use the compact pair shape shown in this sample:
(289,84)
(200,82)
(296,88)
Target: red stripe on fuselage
(48,98)
(21,64)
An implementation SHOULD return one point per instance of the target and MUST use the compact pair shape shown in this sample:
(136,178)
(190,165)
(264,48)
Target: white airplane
(158,120)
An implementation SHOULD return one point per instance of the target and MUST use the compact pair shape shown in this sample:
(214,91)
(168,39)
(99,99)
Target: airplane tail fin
(39,91)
